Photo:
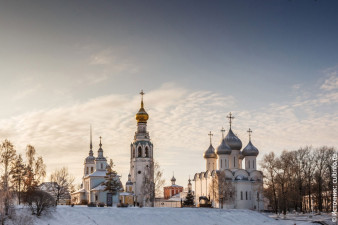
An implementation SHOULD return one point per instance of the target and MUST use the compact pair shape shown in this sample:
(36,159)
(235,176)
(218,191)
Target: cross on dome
(142,93)
(249,131)
(230,117)
(100,142)
(222,132)
(210,134)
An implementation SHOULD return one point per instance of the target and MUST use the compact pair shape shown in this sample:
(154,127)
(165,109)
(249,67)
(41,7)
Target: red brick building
(172,190)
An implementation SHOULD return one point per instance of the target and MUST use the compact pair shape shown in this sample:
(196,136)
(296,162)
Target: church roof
(210,152)
(223,148)
(233,141)
(99,187)
(79,191)
(250,150)
(98,173)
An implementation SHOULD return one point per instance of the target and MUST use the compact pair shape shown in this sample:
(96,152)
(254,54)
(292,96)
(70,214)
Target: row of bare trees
(299,180)
(18,178)
(20,181)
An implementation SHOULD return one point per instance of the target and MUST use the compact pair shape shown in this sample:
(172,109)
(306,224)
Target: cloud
(179,122)
(27,91)
(331,83)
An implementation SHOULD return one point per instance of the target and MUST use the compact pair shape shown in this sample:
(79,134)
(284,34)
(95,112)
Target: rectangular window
(246,195)
(241,195)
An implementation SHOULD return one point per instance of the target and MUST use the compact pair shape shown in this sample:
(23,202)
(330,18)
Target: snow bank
(82,215)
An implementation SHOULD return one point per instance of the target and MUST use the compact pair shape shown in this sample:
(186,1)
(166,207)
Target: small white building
(225,183)
(92,187)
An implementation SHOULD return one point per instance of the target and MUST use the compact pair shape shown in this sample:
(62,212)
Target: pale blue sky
(272,62)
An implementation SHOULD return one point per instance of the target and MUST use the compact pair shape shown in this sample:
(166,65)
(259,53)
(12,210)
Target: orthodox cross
(210,134)
(249,131)
(100,141)
(142,93)
(222,132)
(230,117)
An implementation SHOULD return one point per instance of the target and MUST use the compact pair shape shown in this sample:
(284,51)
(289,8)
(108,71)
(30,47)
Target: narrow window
(241,195)
(225,163)
(87,170)
(249,164)
(257,196)
(246,195)
(139,152)
(101,165)
(91,170)
(133,152)
(221,163)
(147,152)
(234,161)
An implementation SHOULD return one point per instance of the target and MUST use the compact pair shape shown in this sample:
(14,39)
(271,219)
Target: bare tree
(158,180)
(7,156)
(268,166)
(35,169)
(17,173)
(61,183)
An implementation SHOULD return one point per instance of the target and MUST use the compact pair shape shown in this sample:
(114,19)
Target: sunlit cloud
(179,122)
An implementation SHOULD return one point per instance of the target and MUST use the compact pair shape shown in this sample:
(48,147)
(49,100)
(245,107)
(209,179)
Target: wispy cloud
(332,82)
(179,122)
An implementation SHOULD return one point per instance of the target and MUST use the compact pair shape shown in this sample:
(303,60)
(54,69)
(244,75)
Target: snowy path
(80,215)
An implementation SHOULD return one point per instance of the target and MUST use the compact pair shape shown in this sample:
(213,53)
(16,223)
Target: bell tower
(141,161)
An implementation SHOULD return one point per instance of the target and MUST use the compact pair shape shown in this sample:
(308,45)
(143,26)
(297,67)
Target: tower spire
(91,143)
(210,134)
(230,117)
(249,131)
(100,142)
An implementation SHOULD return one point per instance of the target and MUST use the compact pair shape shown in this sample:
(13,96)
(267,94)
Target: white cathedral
(225,183)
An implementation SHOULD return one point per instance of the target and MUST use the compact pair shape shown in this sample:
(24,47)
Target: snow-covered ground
(82,215)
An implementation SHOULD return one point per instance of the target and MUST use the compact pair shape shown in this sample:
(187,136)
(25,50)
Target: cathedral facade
(141,181)
(225,183)
(93,188)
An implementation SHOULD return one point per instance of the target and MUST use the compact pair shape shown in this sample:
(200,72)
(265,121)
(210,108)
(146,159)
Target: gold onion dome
(142,116)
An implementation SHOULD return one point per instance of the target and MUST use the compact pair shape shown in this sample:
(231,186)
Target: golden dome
(142,115)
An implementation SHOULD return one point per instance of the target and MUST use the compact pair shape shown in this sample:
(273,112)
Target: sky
(67,64)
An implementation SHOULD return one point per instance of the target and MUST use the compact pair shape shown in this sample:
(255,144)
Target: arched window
(91,170)
(147,152)
(246,195)
(87,171)
(225,163)
(221,163)
(139,152)
(241,195)
(101,165)
(234,161)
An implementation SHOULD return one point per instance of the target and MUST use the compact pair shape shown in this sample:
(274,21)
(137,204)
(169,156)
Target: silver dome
(90,159)
(250,150)
(210,152)
(223,148)
(233,141)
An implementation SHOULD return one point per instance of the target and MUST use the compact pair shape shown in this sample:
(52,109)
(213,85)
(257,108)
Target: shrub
(39,201)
